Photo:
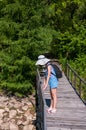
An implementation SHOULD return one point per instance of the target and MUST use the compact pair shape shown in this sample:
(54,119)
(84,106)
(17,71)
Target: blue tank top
(53,81)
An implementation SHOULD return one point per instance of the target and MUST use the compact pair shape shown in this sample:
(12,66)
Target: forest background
(29,28)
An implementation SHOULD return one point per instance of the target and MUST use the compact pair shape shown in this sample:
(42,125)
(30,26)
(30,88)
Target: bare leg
(54,98)
(53,94)
(51,104)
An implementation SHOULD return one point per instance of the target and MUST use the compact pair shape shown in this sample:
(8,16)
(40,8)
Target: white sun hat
(42,60)
(41,57)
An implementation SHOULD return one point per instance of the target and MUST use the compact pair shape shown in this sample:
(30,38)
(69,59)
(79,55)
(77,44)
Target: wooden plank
(60,128)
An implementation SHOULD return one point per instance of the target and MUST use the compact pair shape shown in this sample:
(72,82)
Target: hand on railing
(44,87)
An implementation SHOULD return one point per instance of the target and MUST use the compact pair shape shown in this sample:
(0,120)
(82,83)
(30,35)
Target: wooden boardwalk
(71,111)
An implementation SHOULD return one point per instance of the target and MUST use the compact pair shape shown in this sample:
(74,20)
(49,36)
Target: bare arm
(46,80)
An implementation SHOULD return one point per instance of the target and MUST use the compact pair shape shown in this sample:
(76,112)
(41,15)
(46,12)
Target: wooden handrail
(41,102)
(76,81)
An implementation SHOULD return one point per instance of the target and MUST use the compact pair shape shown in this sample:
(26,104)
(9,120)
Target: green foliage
(23,88)
(30,28)
(79,65)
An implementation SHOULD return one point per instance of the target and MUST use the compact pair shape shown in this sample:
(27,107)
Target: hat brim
(42,61)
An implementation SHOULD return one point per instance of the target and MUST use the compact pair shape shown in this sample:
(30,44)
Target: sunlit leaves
(30,28)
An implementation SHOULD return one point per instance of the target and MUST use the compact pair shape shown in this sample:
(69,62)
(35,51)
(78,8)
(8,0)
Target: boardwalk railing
(77,82)
(41,103)
(71,111)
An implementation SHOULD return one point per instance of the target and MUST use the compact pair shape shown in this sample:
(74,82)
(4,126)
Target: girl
(51,80)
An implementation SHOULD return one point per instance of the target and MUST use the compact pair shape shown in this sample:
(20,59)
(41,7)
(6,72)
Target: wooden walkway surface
(71,111)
